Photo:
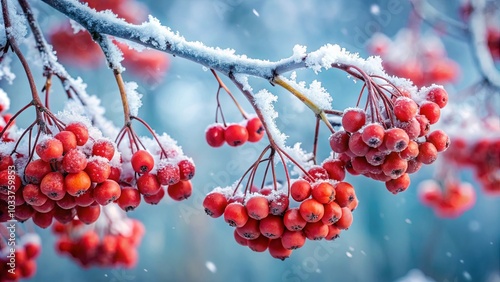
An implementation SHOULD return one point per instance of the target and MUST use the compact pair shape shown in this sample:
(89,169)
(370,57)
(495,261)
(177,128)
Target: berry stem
(315,143)
(13,44)
(123,96)
(310,104)
(222,85)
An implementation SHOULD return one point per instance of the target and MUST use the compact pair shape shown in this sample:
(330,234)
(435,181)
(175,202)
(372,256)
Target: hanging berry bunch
(111,241)
(235,134)
(18,261)
(422,59)
(391,136)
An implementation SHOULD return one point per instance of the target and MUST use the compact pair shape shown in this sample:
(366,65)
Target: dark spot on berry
(209,212)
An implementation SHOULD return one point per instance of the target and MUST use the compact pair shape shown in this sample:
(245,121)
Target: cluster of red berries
(390,149)
(423,60)
(449,202)
(264,220)
(78,48)
(235,134)
(103,244)
(21,264)
(72,177)
(163,167)
(483,155)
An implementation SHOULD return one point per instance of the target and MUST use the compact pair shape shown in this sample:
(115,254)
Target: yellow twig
(310,104)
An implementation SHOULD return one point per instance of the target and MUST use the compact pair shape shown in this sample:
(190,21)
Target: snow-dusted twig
(478,29)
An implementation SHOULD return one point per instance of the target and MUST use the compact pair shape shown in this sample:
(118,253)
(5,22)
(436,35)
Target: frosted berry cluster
(422,59)
(235,135)
(112,241)
(264,219)
(449,201)
(388,148)
(22,263)
(160,167)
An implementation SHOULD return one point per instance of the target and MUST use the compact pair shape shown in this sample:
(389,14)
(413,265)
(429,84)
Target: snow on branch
(152,34)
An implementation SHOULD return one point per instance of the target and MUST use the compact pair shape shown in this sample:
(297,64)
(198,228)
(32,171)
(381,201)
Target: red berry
(142,161)
(277,250)
(33,196)
(235,214)
(259,245)
(81,132)
(67,202)
(346,220)
(300,190)
(439,96)
(317,173)
(411,151)
(394,166)
(431,111)
(77,183)
(279,204)
(98,169)
(215,203)
(344,194)
(292,240)
(240,240)
(333,232)
(49,149)
(255,129)
(68,140)
(405,108)
(106,192)
(43,220)
(311,210)
(357,146)
(375,157)
(129,199)
(148,184)
(180,190)
(88,214)
(373,134)
(335,169)
(74,161)
(235,135)
(339,141)
(427,153)
(250,230)
(215,135)
(257,207)
(323,192)
(353,119)
(293,220)
(103,148)
(186,169)
(333,212)
(36,170)
(52,185)
(156,198)
(396,139)
(399,184)
(272,226)
(316,230)
(439,139)
(168,174)
(425,125)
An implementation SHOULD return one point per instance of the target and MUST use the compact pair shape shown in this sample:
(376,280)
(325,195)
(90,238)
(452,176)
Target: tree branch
(477,28)
(152,34)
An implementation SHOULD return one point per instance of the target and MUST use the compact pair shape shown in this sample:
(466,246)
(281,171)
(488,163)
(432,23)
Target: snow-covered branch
(152,34)
(478,29)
